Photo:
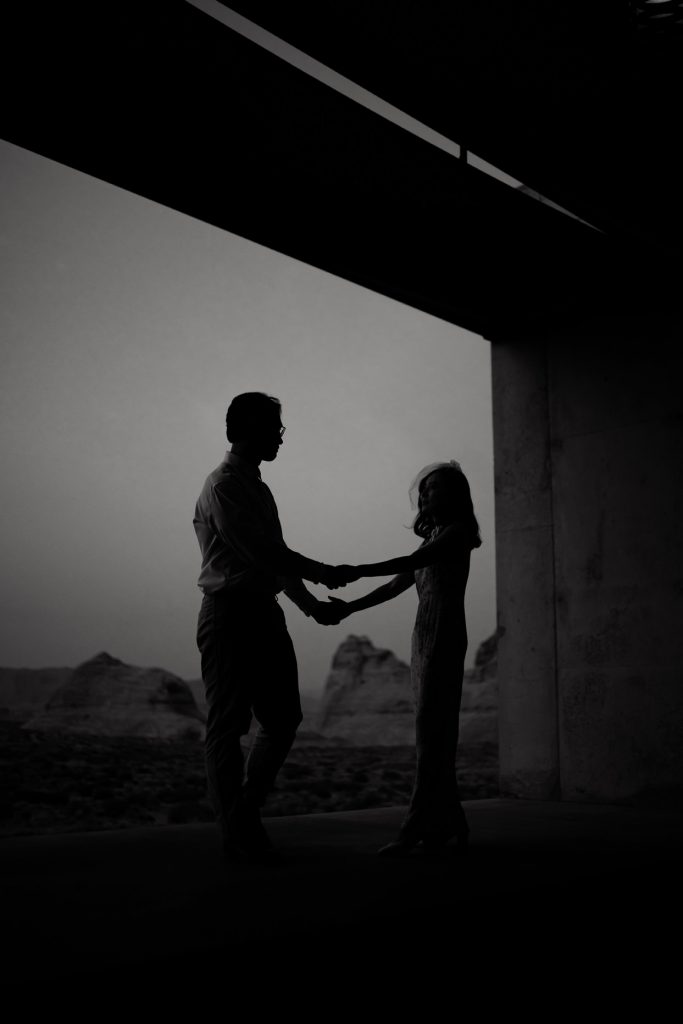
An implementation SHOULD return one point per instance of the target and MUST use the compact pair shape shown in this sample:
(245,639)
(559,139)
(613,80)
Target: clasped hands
(330,613)
(334,576)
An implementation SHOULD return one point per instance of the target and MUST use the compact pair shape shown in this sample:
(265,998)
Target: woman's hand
(329,613)
(339,609)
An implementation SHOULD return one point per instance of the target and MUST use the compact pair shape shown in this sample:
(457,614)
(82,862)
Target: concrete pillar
(616,411)
(588,449)
(529,754)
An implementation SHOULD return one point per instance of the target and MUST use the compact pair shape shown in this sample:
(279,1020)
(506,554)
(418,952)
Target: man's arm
(324,613)
(236,528)
(300,595)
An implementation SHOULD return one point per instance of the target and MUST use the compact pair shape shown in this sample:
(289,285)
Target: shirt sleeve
(235,523)
(255,542)
(300,595)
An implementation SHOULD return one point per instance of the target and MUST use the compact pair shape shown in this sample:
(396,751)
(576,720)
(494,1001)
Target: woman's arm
(384,593)
(429,553)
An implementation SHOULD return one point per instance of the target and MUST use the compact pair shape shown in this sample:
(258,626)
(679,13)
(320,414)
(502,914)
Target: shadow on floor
(582,896)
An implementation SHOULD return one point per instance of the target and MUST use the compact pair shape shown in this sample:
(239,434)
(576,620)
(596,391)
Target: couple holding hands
(247,658)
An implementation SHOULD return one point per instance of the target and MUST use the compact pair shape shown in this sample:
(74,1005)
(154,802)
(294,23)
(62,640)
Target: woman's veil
(414,489)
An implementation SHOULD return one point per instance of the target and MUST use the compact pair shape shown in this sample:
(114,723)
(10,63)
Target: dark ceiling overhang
(160,99)
(578,100)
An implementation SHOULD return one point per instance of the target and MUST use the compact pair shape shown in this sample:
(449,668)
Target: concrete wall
(527,694)
(588,446)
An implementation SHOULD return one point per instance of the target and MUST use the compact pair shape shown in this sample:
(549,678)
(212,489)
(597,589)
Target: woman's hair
(249,410)
(463,509)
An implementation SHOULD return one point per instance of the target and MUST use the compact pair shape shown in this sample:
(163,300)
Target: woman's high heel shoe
(437,841)
(400,847)
(409,838)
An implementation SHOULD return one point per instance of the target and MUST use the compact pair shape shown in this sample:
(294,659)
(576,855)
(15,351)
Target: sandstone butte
(367,699)
(106,697)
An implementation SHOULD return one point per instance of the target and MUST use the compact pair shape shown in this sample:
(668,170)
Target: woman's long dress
(439,645)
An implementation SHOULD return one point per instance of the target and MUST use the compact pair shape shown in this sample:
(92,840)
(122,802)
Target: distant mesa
(103,658)
(367,700)
(25,691)
(479,705)
(368,697)
(107,697)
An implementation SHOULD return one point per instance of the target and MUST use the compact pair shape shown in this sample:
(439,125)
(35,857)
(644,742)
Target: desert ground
(71,783)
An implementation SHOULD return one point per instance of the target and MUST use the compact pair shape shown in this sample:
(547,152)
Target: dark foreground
(558,909)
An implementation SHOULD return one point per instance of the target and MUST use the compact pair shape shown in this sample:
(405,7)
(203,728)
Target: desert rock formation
(25,691)
(105,696)
(368,697)
(479,705)
(367,700)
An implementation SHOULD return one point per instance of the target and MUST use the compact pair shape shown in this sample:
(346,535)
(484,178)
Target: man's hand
(334,576)
(326,614)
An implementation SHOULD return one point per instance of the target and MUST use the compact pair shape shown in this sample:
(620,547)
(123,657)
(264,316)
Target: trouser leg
(224,650)
(277,709)
(248,663)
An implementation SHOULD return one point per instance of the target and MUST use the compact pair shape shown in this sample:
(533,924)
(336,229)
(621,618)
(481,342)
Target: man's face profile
(268,437)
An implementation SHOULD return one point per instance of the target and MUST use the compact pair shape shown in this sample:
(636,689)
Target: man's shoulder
(223,477)
(218,476)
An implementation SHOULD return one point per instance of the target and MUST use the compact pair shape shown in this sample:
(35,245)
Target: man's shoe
(249,828)
(249,842)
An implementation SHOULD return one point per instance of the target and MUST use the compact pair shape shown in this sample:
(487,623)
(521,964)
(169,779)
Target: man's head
(253,423)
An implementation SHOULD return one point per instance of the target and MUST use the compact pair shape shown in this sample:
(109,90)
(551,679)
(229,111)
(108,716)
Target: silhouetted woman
(439,568)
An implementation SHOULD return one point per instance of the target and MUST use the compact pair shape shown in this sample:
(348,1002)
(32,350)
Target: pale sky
(126,328)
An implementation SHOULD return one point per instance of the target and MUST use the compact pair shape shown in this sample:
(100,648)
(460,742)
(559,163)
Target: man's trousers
(248,668)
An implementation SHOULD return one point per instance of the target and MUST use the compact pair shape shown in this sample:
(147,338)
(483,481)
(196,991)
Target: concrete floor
(587,895)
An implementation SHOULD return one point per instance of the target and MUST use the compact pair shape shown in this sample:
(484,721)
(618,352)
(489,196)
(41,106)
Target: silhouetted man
(247,656)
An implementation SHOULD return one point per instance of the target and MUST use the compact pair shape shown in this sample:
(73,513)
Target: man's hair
(247,412)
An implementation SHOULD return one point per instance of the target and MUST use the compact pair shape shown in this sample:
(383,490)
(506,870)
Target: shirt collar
(242,464)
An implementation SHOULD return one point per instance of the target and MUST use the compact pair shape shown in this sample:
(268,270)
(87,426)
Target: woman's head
(442,496)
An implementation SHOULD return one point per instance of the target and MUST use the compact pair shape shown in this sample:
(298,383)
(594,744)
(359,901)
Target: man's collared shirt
(236,523)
